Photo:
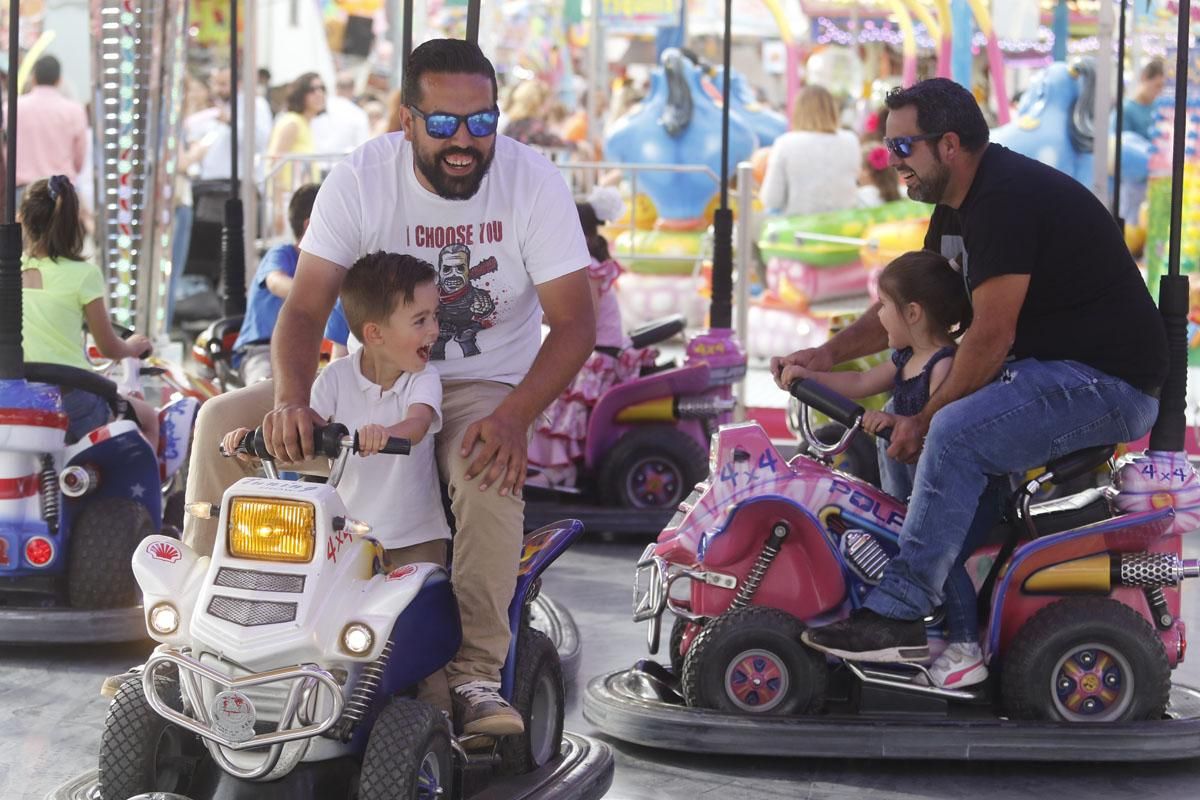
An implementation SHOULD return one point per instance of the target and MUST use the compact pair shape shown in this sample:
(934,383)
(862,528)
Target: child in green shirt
(59,291)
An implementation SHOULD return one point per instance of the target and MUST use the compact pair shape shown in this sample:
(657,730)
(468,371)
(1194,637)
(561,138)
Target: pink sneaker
(960,665)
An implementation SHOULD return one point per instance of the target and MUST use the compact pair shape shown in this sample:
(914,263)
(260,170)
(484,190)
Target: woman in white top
(814,167)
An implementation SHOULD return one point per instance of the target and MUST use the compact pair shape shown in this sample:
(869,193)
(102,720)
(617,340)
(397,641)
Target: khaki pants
(487,545)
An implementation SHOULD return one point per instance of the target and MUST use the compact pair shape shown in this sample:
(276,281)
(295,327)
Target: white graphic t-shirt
(520,229)
(398,496)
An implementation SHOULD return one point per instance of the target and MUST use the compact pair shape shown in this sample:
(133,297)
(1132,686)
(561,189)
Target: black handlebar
(837,407)
(328,440)
(828,402)
(396,445)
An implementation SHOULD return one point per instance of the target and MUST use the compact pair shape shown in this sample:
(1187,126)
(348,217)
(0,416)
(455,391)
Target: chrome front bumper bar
(305,680)
(659,576)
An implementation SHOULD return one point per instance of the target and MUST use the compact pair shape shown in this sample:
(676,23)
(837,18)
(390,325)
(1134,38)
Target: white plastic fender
(169,571)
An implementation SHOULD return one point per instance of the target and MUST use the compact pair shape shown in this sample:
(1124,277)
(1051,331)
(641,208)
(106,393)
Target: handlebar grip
(397,446)
(328,439)
(835,406)
(255,444)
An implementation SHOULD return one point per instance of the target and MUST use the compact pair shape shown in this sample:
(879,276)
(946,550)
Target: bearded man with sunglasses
(500,222)
(1066,351)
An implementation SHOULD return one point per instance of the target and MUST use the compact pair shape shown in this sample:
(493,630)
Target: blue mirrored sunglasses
(901,146)
(442,126)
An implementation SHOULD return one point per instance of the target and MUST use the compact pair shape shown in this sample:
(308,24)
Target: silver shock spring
(48,491)
(770,549)
(364,693)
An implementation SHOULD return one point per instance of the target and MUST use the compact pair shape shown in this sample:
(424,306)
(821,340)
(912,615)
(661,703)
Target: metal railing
(282,177)
(581,176)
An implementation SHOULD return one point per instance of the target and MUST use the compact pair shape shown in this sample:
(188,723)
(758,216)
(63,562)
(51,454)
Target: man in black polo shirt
(1066,350)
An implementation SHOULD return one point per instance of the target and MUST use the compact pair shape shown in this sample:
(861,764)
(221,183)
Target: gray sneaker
(480,709)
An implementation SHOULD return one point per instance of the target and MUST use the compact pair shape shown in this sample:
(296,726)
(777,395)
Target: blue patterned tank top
(910,396)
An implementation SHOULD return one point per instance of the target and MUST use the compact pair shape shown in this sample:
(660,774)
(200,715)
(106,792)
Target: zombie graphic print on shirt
(464,307)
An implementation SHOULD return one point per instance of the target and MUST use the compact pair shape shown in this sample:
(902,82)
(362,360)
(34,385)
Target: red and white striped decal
(35,417)
(16,488)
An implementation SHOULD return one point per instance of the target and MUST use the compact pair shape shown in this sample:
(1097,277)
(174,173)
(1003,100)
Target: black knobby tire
(678,629)
(652,467)
(752,644)
(408,754)
(539,695)
(1090,659)
(140,751)
(103,538)
(860,459)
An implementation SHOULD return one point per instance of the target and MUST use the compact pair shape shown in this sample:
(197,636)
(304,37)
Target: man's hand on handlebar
(908,438)
(288,431)
(812,359)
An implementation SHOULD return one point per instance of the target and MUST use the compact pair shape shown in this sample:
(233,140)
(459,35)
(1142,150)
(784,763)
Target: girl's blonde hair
(526,99)
(815,110)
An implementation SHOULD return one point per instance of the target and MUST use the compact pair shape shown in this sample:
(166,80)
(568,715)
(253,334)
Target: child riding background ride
(60,293)
(237,350)
(268,290)
(924,308)
(90,480)
(556,450)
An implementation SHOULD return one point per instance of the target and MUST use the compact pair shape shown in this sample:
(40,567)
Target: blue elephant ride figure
(678,123)
(1055,124)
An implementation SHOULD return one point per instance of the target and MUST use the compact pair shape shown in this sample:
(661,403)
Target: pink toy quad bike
(1079,616)
(647,438)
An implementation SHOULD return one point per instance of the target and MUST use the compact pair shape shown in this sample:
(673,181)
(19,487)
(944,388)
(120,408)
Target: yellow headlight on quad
(272,530)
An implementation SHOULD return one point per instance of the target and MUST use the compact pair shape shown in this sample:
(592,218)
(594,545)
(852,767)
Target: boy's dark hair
(444,56)
(1153,69)
(50,222)
(376,282)
(46,71)
(299,91)
(597,245)
(944,106)
(300,207)
(927,279)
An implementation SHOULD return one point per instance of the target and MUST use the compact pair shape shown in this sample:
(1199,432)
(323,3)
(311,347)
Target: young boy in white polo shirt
(388,388)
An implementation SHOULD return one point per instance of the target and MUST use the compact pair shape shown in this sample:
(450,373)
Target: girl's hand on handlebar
(139,346)
(371,439)
(875,421)
(793,372)
(231,441)
(813,359)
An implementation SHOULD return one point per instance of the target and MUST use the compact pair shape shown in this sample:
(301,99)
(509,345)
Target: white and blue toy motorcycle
(288,662)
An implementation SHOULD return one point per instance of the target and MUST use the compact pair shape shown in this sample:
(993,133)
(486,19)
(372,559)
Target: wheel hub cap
(1092,683)
(756,681)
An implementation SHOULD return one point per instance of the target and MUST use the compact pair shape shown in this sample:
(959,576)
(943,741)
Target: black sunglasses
(440,125)
(901,146)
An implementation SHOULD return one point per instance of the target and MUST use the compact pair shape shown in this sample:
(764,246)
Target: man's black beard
(454,188)
(931,189)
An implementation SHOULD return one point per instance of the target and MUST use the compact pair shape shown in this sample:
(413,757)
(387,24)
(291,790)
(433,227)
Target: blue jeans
(960,604)
(85,412)
(1035,412)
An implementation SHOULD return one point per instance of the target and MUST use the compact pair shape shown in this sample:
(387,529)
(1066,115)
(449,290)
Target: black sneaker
(867,636)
